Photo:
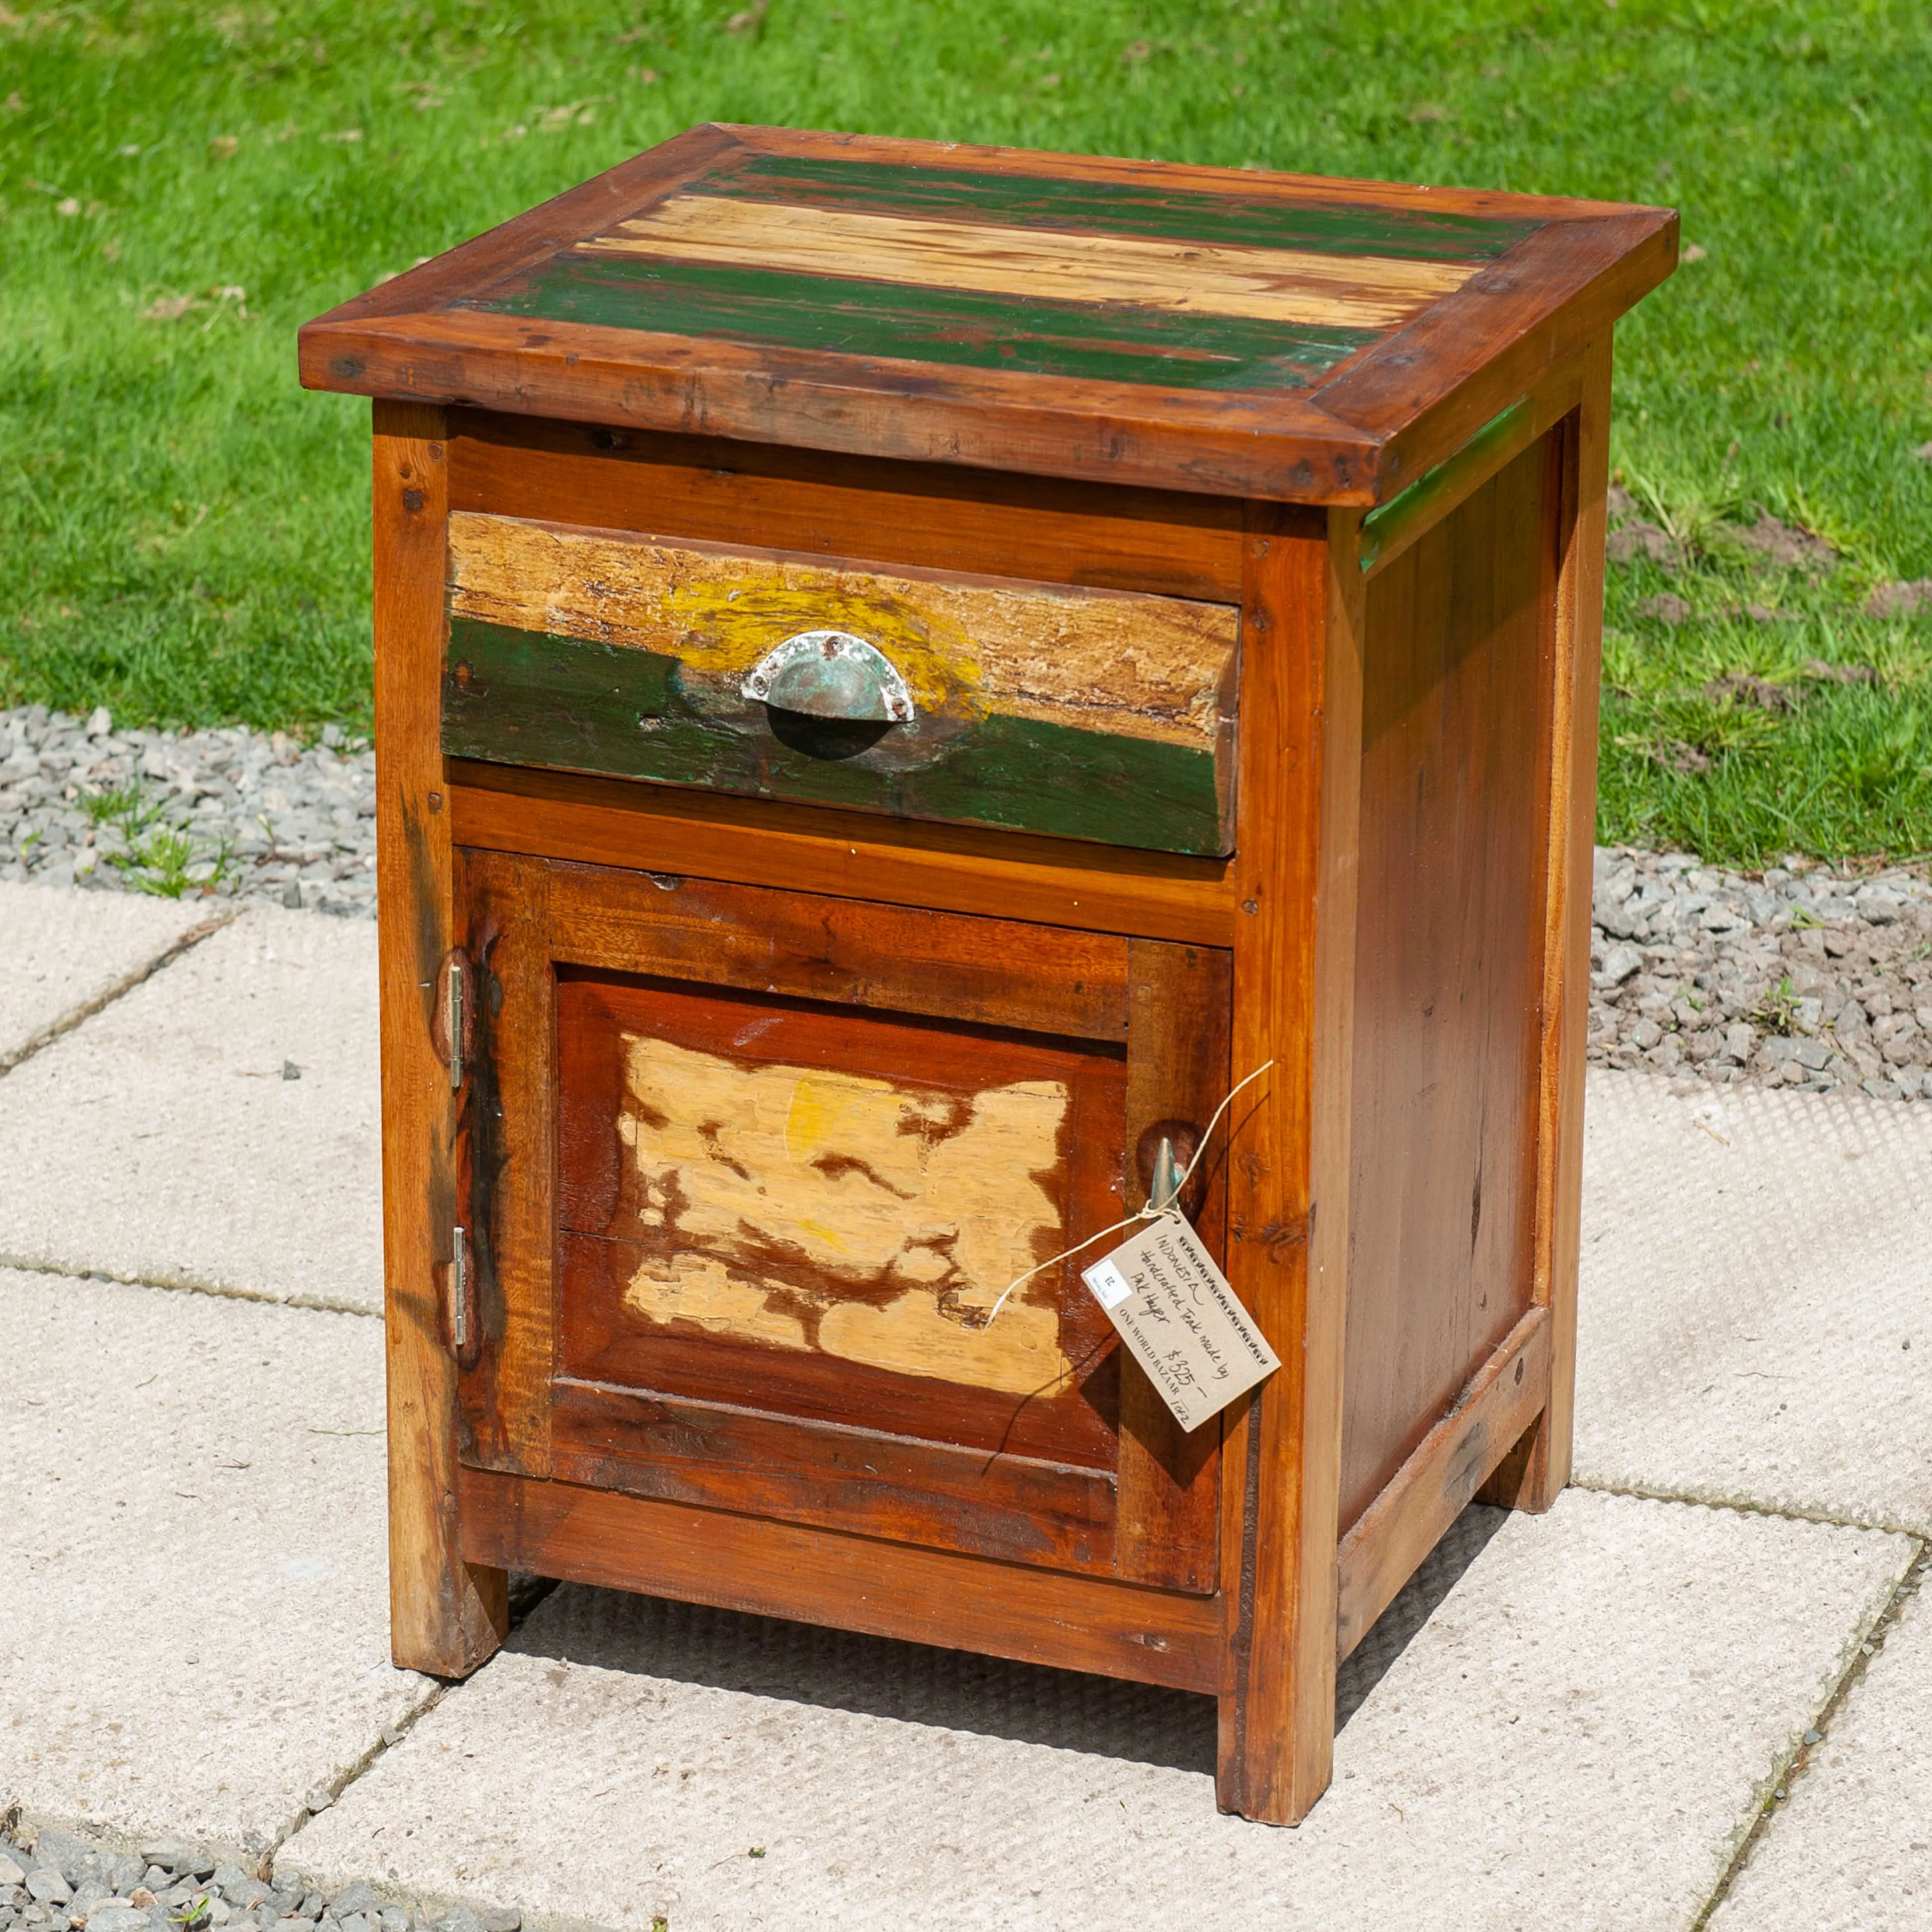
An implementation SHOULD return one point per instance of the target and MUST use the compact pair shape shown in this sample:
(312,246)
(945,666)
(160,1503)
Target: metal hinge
(454,996)
(459,1287)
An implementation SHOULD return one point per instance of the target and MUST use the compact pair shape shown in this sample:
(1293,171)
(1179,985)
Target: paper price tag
(1180,1321)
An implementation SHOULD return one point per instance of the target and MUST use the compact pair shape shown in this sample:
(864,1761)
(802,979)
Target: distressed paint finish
(904,322)
(1387,529)
(1278,285)
(1143,666)
(887,1100)
(515,697)
(1102,715)
(1096,320)
(1089,279)
(1315,225)
(814,1209)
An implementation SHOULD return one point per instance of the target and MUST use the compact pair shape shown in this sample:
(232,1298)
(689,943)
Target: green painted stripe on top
(530,697)
(1116,208)
(779,308)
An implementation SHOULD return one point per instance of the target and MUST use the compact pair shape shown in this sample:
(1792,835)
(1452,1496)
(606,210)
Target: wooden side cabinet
(903,673)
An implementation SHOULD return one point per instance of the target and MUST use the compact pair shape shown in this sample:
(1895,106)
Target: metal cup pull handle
(831,674)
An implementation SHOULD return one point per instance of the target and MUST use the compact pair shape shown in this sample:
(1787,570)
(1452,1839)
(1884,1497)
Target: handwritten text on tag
(1180,1320)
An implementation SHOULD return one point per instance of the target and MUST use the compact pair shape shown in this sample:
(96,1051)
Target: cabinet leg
(1272,1768)
(1523,1479)
(1275,1746)
(446,1616)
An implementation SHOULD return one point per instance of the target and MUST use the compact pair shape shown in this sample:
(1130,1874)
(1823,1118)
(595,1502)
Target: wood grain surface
(987,972)
(836,1476)
(764,1276)
(1288,1192)
(801,1208)
(1099,714)
(1037,1616)
(949,868)
(447,1614)
(508,1156)
(1537,1470)
(1216,330)
(1090,430)
(1288,285)
(1383,1547)
(1180,1009)
(1086,195)
(927,515)
(1448,964)
(1110,662)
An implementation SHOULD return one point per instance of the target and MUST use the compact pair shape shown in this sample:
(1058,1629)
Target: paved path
(1583,1720)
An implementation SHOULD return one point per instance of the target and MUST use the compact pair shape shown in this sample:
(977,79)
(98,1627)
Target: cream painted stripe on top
(1268,284)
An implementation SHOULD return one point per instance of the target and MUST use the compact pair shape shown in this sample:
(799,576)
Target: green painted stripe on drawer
(1117,208)
(1108,342)
(529,698)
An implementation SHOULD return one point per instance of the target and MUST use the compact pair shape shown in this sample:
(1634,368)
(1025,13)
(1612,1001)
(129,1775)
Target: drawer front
(746,1173)
(1102,715)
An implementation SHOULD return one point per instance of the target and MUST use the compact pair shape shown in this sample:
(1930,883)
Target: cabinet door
(745,1173)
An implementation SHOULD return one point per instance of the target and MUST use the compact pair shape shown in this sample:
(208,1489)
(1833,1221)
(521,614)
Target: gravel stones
(238,1888)
(115,1915)
(229,813)
(173,1856)
(1799,976)
(64,1884)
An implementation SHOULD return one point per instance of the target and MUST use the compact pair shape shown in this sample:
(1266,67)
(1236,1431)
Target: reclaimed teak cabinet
(903,672)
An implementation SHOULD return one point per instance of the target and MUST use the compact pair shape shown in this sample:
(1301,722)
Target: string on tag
(1169,1211)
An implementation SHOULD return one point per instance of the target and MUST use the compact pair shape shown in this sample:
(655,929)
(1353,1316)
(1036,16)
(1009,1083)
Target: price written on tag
(1180,1321)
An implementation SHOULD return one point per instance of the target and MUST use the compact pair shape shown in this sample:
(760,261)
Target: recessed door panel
(813,1210)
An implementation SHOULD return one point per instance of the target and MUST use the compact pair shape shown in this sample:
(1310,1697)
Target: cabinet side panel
(1448,948)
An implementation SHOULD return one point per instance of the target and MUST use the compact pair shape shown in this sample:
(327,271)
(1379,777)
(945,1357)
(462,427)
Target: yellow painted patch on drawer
(1120,663)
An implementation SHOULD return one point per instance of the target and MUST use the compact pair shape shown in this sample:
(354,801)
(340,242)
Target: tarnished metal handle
(832,674)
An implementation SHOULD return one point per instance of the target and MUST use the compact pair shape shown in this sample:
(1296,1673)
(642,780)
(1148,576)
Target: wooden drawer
(745,1172)
(1087,713)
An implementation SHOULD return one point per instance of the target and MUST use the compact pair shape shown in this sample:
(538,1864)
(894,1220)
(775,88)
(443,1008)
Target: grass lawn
(184,530)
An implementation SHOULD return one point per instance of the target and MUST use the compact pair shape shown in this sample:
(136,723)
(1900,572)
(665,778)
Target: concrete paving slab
(193,1614)
(1757,1317)
(217,1126)
(1852,1849)
(61,951)
(1574,1738)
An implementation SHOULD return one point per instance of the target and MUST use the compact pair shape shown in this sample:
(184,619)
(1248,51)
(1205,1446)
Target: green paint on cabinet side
(529,698)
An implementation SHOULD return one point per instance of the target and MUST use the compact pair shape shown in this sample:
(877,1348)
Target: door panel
(822,1205)
(745,1173)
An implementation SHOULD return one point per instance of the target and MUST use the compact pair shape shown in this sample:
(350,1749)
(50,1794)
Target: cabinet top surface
(1203,328)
